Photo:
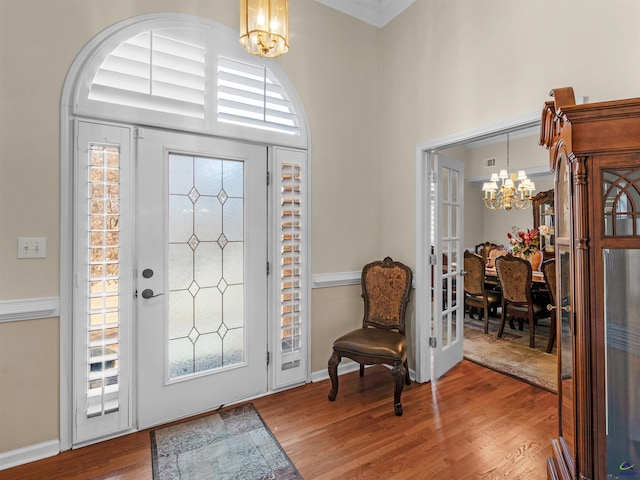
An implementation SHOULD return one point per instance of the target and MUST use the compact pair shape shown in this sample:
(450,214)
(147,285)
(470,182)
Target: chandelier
(264,27)
(508,195)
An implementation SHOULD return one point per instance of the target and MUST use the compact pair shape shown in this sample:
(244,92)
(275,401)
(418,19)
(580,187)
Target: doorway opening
(479,225)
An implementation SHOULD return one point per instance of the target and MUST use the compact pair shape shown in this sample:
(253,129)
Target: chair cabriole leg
(332,366)
(399,372)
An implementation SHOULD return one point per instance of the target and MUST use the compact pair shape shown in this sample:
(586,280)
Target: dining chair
(495,253)
(551,279)
(516,277)
(381,340)
(483,250)
(475,293)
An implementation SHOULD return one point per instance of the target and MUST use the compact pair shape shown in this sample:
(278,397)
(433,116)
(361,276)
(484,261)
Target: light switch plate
(32,247)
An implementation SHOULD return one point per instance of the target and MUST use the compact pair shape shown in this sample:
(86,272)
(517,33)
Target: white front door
(201,274)
(448,299)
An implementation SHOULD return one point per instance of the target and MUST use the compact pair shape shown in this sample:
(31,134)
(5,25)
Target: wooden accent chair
(475,293)
(381,340)
(516,277)
(551,279)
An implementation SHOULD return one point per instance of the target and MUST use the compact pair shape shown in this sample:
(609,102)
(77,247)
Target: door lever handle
(148,293)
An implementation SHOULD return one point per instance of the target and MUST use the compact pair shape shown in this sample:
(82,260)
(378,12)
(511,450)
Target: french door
(201,274)
(447,262)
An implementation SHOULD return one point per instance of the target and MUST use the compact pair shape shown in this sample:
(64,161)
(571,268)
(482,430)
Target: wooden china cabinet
(543,215)
(595,155)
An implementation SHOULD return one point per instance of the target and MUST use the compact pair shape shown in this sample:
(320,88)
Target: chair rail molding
(336,279)
(29,309)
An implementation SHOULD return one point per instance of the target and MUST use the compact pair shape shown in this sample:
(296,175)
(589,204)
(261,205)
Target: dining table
(492,274)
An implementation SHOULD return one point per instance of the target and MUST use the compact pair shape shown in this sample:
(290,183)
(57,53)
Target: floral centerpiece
(524,242)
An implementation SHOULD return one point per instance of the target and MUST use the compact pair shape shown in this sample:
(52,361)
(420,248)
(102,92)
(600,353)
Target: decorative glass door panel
(206,265)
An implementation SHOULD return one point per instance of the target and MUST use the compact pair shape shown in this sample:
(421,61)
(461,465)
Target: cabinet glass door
(566,373)
(622,341)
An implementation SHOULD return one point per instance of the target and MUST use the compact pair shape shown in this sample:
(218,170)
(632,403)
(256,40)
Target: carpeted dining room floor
(511,354)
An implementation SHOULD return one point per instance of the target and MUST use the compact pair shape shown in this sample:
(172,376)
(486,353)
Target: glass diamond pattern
(193,335)
(194,242)
(194,288)
(207,326)
(222,286)
(222,331)
(222,241)
(222,196)
(194,195)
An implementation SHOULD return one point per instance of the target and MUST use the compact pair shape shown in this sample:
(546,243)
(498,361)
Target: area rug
(232,444)
(511,354)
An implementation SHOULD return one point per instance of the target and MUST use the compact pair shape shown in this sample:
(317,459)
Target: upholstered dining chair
(551,279)
(381,340)
(483,250)
(516,276)
(475,293)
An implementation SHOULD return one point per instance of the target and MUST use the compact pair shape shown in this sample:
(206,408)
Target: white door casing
(424,151)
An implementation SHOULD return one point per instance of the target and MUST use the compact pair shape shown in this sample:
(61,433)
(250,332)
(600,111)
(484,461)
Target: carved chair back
(516,277)
(385,289)
(549,272)
(474,278)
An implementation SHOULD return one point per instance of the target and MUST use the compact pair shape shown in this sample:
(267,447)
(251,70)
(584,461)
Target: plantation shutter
(288,275)
(250,95)
(161,71)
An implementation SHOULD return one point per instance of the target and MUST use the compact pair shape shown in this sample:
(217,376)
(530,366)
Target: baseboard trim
(347,367)
(29,309)
(23,455)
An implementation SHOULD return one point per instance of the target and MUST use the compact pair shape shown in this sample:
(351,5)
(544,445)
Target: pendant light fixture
(264,27)
(507,195)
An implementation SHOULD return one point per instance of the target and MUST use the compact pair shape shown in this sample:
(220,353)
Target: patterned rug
(511,354)
(233,444)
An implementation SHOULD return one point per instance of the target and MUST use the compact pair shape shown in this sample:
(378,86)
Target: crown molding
(375,12)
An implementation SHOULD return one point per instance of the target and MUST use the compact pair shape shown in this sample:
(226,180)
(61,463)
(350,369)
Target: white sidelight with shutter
(103,291)
(288,274)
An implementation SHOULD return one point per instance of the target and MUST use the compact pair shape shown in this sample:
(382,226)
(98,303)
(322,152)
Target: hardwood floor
(471,423)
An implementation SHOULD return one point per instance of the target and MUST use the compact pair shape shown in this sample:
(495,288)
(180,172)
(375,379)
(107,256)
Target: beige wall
(450,66)
(336,79)
(370,96)
(29,383)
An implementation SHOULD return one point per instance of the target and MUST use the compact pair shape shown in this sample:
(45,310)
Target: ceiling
(375,12)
